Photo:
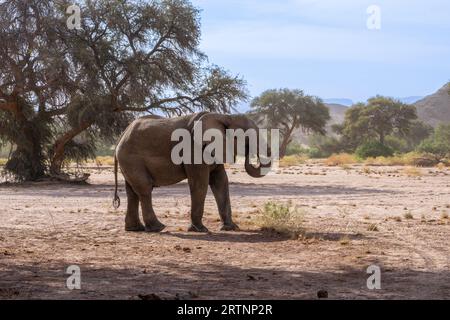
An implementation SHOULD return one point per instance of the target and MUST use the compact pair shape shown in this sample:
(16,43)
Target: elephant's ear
(209,121)
(194,119)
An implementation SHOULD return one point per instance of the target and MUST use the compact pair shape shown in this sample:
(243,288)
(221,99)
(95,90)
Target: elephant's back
(146,144)
(148,135)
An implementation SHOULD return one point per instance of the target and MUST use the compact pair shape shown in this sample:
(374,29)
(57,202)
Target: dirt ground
(354,217)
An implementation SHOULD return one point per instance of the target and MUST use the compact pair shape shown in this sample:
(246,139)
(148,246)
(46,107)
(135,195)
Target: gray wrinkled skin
(144,156)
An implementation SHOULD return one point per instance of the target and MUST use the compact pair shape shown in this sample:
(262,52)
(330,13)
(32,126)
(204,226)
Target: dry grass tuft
(412,172)
(345,240)
(101,161)
(283,219)
(366,170)
(341,159)
(408,216)
(291,161)
(372,227)
(3,161)
(407,159)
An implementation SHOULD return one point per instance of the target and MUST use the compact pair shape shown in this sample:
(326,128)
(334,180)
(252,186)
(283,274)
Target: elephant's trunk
(259,171)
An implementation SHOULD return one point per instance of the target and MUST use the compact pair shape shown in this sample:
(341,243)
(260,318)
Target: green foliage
(397,144)
(79,151)
(373,149)
(377,119)
(296,149)
(418,132)
(4,151)
(129,58)
(324,146)
(287,110)
(404,143)
(104,149)
(439,143)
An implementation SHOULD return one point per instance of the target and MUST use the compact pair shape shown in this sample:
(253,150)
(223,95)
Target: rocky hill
(435,108)
(337,114)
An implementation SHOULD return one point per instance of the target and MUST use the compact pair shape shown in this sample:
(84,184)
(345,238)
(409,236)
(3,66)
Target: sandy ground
(44,228)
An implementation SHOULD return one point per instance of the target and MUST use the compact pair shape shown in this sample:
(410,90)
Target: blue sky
(325,48)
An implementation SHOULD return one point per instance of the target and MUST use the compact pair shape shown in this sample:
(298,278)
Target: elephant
(143,154)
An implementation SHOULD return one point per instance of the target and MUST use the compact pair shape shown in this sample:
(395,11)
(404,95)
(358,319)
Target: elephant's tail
(116,201)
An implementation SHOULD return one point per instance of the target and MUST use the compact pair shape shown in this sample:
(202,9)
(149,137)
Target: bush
(437,148)
(373,149)
(399,145)
(397,160)
(316,153)
(283,219)
(439,143)
(294,160)
(324,146)
(341,159)
(296,149)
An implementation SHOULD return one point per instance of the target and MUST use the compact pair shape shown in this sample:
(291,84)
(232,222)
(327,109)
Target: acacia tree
(380,117)
(75,86)
(32,80)
(288,110)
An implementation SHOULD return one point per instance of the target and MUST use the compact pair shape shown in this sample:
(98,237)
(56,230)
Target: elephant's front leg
(218,181)
(198,178)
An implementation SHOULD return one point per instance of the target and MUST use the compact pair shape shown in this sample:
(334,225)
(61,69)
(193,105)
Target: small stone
(322,294)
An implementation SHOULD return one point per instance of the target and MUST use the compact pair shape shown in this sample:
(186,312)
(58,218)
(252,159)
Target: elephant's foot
(197,228)
(135,227)
(230,227)
(155,227)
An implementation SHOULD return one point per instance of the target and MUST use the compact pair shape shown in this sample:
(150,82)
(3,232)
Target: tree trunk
(283,146)
(57,158)
(27,160)
(286,139)
(382,138)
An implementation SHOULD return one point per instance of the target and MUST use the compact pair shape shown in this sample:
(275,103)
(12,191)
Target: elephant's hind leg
(152,223)
(218,181)
(142,185)
(132,222)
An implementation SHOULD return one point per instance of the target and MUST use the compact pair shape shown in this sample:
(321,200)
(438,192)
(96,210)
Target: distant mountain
(341,101)
(435,108)
(337,115)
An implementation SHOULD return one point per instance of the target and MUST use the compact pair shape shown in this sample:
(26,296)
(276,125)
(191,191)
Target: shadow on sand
(191,280)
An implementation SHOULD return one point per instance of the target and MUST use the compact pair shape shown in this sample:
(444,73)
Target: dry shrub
(341,159)
(407,159)
(366,170)
(345,240)
(440,165)
(100,161)
(408,216)
(283,219)
(3,161)
(412,172)
(294,160)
